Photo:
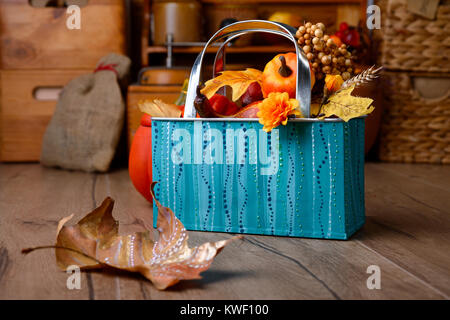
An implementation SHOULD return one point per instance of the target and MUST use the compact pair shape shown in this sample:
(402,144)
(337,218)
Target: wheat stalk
(362,78)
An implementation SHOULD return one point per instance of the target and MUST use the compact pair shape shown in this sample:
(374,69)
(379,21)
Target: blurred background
(39,55)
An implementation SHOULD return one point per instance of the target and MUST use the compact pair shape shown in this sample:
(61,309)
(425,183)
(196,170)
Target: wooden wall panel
(23,119)
(38,38)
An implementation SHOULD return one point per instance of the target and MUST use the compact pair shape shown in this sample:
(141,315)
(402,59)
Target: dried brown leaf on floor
(94,242)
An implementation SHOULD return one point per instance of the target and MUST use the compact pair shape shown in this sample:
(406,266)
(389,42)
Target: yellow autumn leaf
(158,108)
(237,80)
(346,106)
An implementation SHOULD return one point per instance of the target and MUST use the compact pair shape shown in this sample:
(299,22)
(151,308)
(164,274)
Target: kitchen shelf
(147,50)
(284,1)
(231,49)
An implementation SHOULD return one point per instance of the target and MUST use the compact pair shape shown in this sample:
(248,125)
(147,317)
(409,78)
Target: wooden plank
(237,272)
(23,118)
(32,201)
(333,269)
(425,199)
(38,38)
(408,222)
(408,240)
(342,268)
(425,174)
(118,285)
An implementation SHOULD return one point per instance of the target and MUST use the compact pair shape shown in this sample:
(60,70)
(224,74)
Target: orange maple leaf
(237,80)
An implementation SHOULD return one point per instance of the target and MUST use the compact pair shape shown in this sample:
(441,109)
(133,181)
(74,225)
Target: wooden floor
(407,235)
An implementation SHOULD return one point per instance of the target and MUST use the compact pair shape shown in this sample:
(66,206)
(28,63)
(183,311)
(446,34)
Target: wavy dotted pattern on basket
(411,42)
(305,179)
(414,129)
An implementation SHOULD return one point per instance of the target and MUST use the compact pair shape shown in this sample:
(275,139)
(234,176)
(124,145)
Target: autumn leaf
(237,80)
(94,242)
(346,106)
(158,108)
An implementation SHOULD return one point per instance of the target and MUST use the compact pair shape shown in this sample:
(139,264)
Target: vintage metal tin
(313,186)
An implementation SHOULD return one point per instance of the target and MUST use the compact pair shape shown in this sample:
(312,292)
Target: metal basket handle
(236,29)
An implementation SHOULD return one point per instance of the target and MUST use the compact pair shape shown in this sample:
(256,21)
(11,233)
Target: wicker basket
(414,43)
(415,128)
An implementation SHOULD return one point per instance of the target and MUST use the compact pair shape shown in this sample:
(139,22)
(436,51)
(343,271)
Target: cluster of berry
(326,54)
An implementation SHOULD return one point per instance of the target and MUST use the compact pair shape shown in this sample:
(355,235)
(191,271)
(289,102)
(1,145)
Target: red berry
(222,105)
(356,39)
(343,26)
(339,34)
(232,108)
(219,103)
(352,38)
(252,94)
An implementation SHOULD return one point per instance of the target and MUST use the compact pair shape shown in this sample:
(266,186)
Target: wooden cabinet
(38,38)
(38,51)
(24,115)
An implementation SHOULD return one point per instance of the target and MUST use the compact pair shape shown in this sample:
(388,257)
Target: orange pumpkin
(140,160)
(280,75)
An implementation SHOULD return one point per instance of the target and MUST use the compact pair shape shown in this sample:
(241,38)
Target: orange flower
(276,109)
(333,82)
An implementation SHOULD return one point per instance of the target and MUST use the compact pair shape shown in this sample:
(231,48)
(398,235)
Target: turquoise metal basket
(305,179)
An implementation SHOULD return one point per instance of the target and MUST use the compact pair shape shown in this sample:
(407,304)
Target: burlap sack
(85,129)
